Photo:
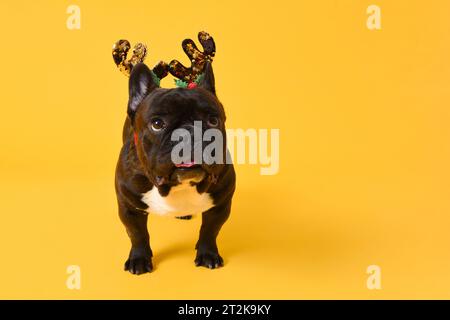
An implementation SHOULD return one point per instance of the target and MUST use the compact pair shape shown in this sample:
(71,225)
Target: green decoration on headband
(190,85)
(180,83)
(155,78)
(200,78)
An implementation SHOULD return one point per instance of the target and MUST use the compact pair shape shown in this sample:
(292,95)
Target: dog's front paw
(139,262)
(208,259)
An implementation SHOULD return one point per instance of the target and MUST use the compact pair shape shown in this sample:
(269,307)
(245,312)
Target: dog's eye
(157,124)
(213,121)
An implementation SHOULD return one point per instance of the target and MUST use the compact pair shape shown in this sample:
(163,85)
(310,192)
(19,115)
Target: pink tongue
(185,165)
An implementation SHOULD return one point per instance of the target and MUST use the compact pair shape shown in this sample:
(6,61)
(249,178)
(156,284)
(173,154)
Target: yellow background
(364,132)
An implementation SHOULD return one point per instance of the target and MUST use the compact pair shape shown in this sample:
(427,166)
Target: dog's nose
(191,134)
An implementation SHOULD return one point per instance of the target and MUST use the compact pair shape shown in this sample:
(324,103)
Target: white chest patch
(182,200)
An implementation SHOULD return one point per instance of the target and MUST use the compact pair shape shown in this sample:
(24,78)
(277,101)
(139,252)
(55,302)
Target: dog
(147,181)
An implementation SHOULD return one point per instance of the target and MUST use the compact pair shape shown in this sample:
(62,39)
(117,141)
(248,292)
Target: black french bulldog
(147,181)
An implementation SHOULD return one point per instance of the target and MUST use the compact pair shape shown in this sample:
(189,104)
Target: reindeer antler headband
(120,52)
(188,77)
(185,75)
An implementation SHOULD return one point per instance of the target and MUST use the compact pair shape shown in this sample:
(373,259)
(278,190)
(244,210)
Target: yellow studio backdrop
(364,149)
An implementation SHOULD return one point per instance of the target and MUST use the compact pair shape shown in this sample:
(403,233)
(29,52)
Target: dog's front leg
(140,258)
(212,221)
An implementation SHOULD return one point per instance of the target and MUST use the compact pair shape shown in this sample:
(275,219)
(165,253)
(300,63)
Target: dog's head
(164,119)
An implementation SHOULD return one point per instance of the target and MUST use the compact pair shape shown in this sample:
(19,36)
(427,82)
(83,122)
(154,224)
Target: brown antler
(120,52)
(198,58)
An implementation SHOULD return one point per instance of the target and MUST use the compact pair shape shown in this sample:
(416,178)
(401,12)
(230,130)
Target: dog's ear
(208,81)
(142,82)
